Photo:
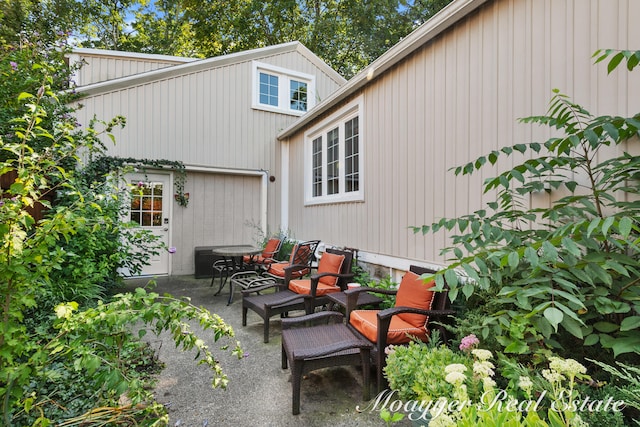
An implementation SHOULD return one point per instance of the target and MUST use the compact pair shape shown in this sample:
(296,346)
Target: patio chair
(266,257)
(333,274)
(298,265)
(416,306)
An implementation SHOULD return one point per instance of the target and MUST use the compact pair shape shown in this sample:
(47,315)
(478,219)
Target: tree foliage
(347,34)
(568,274)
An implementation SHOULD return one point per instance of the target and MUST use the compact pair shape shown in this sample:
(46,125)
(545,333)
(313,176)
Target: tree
(347,34)
(566,276)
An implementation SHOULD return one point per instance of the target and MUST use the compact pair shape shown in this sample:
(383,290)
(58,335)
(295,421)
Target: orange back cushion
(270,248)
(293,252)
(413,292)
(330,263)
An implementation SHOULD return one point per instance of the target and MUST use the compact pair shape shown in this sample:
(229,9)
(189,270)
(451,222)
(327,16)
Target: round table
(232,256)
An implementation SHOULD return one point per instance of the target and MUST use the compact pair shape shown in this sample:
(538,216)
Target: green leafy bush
(77,367)
(416,371)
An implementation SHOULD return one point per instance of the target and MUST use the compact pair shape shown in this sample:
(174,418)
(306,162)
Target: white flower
(455,378)
(569,367)
(525,384)
(442,420)
(488,383)
(482,354)
(455,367)
(483,369)
(552,376)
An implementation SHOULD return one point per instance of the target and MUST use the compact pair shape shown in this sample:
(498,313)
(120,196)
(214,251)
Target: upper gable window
(333,157)
(280,90)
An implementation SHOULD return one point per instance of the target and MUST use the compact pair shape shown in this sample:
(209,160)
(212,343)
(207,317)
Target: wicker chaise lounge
(333,274)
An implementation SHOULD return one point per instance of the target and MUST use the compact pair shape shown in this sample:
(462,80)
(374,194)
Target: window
(146,204)
(268,89)
(283,91)
(333,158)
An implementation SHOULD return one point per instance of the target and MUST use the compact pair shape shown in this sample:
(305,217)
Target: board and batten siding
(204,118)
(100,68)
(456,98)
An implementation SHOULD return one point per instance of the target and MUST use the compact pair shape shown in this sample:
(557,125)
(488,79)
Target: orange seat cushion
(413,292)
(400,331)
(304,287)
(330,263)
(277,269)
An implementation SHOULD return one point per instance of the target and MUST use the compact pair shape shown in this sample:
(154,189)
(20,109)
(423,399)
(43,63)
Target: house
(219,117)
(374,158)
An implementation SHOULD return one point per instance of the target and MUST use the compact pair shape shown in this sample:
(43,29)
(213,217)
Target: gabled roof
(209,63)
(439,23)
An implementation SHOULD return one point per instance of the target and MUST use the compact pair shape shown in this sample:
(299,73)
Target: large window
(333,158)
(280,90)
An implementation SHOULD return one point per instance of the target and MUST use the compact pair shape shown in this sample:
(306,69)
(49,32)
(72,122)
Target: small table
(322,346)
(364,298)
(232,256)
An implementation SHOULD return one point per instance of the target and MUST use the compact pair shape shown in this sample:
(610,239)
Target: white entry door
(150,208)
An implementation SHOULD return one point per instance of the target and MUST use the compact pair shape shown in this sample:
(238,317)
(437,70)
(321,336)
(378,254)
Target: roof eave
(190,67)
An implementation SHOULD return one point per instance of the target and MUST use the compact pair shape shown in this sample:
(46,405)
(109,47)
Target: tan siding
(102,68)
(460,97)
(205,118)
(222,210)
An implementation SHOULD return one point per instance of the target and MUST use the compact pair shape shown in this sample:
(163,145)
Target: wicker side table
(321,346)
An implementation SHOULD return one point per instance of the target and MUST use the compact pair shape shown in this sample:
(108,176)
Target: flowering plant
(501,407)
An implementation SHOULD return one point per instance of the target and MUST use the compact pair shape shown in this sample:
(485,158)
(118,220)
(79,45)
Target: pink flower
(14,65)
(172,250)
(140,184)
(469,342)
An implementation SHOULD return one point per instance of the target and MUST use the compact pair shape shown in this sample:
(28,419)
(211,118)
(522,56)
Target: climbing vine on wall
(98,168)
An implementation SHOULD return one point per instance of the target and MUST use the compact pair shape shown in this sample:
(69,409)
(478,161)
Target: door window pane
(146,204)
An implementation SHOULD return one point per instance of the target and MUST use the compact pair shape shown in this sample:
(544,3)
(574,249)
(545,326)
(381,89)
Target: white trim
(133,55)
(337,119)
(285,76)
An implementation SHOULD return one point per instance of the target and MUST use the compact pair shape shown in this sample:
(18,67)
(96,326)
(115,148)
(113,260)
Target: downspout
(263,201)
(284,187)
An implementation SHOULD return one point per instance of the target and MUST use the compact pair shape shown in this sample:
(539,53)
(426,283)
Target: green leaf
(624,226)
(514,260)
(573,327)
(630,323)
(554,316)
(608,222)
(591,339)
(615,61)
(605,327)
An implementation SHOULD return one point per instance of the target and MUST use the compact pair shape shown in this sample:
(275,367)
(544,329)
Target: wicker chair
(333,274)
(416,308)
